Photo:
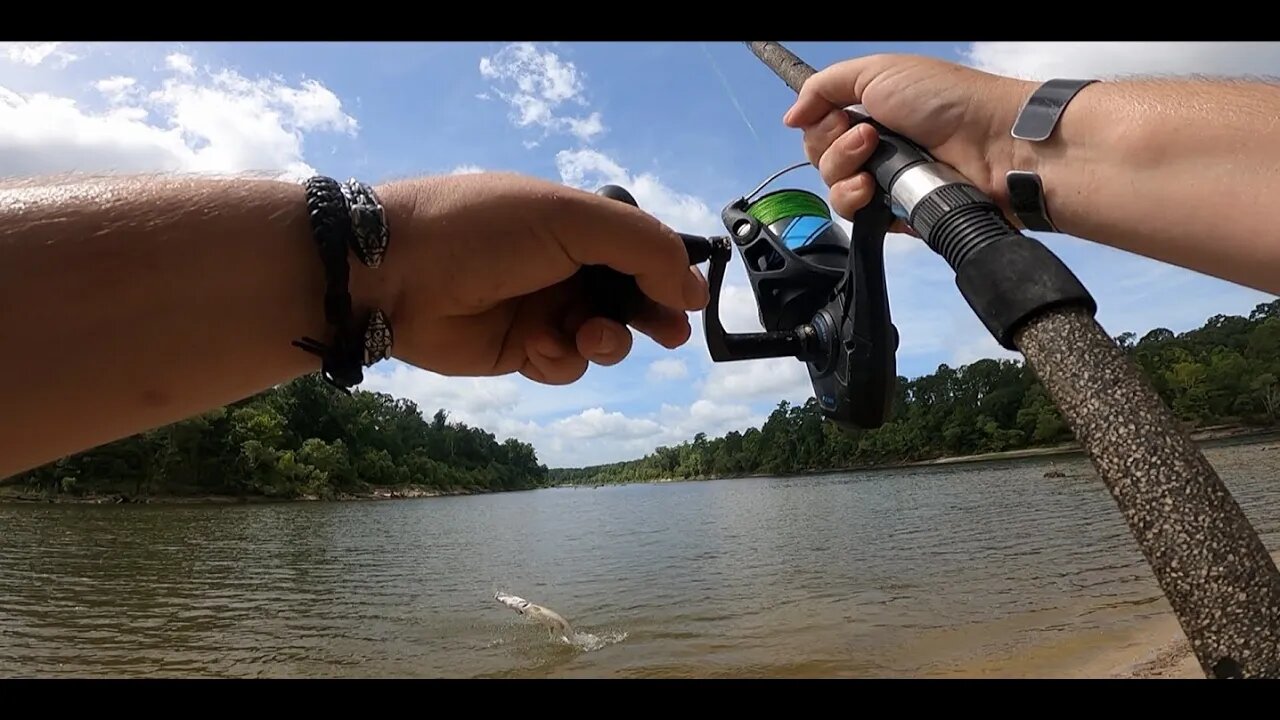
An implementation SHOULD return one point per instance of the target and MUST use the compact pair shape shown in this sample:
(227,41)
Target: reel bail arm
(728,347)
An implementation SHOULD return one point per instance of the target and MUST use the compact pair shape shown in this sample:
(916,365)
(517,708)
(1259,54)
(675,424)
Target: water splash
(590,642)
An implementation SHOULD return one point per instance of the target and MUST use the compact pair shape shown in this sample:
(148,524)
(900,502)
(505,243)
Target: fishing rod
(1211,564)
(822,299)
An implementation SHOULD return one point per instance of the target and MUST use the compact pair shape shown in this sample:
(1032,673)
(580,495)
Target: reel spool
(793,270)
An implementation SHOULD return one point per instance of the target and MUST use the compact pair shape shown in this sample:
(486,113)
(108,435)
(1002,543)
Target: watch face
(1026,197)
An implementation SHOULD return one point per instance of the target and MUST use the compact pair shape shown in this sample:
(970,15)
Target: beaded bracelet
(347,217)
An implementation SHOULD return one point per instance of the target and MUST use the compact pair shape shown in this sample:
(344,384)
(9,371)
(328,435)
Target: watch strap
(1040,113)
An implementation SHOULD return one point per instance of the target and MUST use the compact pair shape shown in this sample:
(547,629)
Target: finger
(850,195)
(597,339)
(535,332)
(837,86)
(700,282)
(902,228)
(666,326)
(594,230)
(536,343)
(847,154)
(551,359)
(603,341)
(817,138)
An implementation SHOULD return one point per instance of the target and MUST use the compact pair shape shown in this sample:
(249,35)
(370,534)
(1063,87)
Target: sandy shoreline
(1161,652)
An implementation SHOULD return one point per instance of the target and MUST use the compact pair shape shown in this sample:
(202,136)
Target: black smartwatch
(1036,122)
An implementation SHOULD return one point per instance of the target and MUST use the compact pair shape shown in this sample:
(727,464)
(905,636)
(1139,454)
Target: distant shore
(10,493)
(1202,435)
(1207,436)
(19,494)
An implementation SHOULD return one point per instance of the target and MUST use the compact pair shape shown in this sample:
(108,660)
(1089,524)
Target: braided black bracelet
(347,217)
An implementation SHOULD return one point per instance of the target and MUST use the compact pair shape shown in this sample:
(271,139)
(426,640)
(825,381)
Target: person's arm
(132,303)
(1183,171)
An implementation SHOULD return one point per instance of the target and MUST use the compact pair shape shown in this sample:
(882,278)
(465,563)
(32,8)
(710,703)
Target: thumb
(836,86)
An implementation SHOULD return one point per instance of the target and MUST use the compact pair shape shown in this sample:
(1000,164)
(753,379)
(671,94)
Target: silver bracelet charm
(368,222)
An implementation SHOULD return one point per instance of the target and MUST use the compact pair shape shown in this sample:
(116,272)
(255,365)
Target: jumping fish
(553,620)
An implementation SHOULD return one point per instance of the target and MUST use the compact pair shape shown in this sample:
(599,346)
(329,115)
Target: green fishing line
(788,203)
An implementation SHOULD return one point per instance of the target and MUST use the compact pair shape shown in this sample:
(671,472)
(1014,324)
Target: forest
(303,439)
(1223,373)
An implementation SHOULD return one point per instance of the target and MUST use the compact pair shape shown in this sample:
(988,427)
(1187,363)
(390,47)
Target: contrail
(729,91)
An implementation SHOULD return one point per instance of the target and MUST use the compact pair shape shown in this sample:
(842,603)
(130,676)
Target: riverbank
(17,494)
(1203,436)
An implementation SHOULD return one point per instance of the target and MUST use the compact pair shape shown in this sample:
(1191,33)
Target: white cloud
(590,169)
(539,82)
(667,369)
(180,63)
(35,54)
(116,88)
(466,170)
(1044,60)
(595,424)
(596,436)
(758,380)
(506,406)
(220,122)
(482,401)
(709,416)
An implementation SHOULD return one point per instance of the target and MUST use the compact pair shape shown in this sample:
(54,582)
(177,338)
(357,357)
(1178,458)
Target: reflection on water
(949,570)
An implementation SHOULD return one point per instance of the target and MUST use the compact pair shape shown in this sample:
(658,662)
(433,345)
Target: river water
(975,570)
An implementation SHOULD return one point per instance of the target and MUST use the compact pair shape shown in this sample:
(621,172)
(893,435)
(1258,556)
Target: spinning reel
(820,296)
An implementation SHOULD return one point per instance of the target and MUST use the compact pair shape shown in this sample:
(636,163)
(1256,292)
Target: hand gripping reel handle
(615,295)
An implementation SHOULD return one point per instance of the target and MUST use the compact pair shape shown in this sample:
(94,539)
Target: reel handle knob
(614,295)
(617,192)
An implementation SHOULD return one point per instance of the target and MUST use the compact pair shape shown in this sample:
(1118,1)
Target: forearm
(129,304)
(1187,172)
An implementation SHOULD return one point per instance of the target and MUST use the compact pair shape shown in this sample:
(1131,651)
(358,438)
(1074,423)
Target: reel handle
(615,295)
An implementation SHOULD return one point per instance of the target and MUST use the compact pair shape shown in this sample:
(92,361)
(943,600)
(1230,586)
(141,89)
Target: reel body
(812,281)
(820,295)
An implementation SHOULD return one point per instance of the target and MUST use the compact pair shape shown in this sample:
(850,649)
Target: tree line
(304,439)
(300,439)
(1224,372)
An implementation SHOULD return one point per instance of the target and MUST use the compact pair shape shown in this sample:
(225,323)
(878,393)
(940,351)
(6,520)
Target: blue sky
(687,126)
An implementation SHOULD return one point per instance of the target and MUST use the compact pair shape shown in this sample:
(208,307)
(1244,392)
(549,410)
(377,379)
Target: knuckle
(826,170)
